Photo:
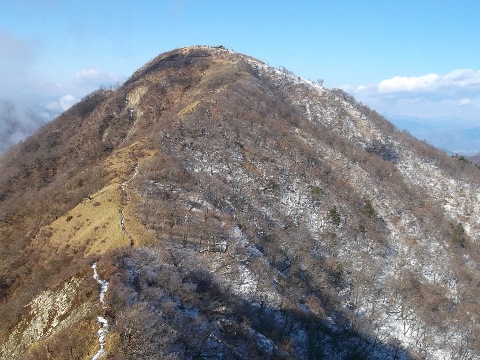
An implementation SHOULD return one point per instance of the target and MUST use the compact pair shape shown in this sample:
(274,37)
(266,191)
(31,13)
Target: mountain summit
(215,207)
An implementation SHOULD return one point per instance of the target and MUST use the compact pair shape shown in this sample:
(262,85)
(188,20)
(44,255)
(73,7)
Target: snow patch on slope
(103,330)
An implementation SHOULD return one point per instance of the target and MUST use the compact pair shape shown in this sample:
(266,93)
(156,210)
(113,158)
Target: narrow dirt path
(127,201)
(103,330)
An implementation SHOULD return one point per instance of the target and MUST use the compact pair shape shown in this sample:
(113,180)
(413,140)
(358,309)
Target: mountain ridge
(267,215)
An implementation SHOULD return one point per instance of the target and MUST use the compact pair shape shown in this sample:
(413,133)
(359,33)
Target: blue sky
(418,59)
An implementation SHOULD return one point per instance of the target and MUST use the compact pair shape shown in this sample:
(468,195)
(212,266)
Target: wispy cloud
(93,78)
(62,104)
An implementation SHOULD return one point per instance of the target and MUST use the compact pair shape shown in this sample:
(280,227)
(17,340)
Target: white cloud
(413,83)
(462,78)
(454,95)
(457,80)
(62,104)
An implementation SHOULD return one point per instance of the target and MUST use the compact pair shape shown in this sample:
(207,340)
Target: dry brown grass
(95,227)
(95,223)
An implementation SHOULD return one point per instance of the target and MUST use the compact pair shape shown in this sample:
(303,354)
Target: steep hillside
(215,207)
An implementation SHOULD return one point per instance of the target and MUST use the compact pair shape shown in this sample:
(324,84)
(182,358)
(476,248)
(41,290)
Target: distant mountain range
(454,136)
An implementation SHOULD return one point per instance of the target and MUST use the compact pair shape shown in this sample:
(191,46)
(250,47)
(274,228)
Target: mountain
(215,207)
(17,121)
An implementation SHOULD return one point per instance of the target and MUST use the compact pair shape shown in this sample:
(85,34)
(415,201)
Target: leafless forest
(271,218)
